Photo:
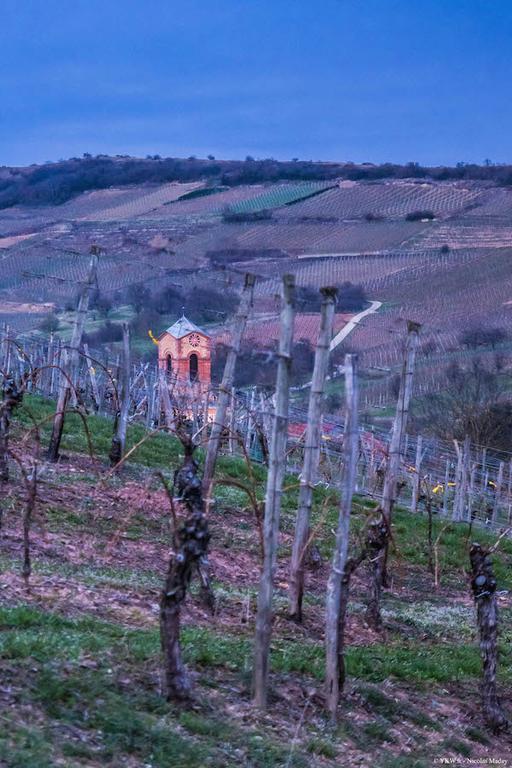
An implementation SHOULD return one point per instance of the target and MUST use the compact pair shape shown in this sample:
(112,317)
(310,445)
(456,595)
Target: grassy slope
(80,651)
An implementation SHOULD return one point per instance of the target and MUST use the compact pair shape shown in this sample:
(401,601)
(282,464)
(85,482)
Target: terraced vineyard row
(494,202)
(212,204)
(143,203)
(368,271)
(465,235)
(330,237)
(278,195)
(389,199)
(263,332)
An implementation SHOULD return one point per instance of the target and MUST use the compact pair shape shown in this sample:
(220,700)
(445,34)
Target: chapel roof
(183,327)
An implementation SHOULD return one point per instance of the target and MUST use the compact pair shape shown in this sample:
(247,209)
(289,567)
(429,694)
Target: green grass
(159,450)
(163,451)
(430,641)
(98,677)
(378,732)
(393,710)
(322,747)
(95,320)
(46,636)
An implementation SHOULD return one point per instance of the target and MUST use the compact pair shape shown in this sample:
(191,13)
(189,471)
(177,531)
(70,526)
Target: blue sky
(362,80)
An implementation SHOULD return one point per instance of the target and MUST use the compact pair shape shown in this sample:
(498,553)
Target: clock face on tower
(194,340)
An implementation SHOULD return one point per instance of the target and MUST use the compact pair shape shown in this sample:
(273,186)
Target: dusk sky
(362,80)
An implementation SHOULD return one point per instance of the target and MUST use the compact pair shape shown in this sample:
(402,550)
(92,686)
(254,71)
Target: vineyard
(389,199)
(450,274)
(279,195)
(214,202)
(264,332)
(330,237)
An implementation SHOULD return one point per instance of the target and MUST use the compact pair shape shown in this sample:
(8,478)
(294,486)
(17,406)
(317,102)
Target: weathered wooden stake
(311,453)
(416,476)
(335,611)
(275,477)
(119,439)
(395,457)
(228,376)
(400,422)
(70,364)
(497,491)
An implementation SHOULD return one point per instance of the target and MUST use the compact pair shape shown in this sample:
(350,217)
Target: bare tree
(275,477)
(472,401)
(335,610)
(311,453)
(219,424)
(483,585)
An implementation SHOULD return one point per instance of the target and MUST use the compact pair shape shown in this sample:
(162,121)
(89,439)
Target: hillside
(82,681)
(436,251)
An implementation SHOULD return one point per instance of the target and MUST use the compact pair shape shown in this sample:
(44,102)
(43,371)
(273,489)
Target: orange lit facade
(184,353)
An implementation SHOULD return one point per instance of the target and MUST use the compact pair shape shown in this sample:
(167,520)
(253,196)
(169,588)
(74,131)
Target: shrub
(100,302)
(224,256)
(138,296)
(107,333)
(50,324)
(234,217)
(420,215)
(482,337)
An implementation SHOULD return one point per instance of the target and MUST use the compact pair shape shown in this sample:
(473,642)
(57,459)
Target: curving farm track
(353,323)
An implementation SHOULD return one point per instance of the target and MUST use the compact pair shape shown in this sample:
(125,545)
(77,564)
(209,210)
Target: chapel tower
(184,353)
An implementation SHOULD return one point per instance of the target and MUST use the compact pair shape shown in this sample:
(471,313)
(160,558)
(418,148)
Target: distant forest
(55,183)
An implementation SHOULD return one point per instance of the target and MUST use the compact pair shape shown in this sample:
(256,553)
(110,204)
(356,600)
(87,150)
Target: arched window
(168,365)
(193,366)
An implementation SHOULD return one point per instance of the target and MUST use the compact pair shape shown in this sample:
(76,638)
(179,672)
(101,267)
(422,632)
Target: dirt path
(349,327)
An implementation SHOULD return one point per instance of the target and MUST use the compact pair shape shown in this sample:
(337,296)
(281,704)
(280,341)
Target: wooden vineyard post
(497,493)
(311,453)
(250,422)
(471,492)
(164,401)
(446,488)
(275,477)
(335,616)
(416,476)
(70,364)
(400,422)
(92,376)
(389,493)
(6,365)
(228,377)
(483,585)
(509,492)
(47,382)
(461,479)
(119,439)
(232,422)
